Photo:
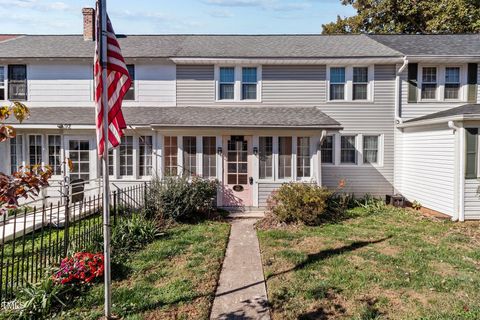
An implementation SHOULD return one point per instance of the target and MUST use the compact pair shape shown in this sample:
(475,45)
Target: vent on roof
(88,24)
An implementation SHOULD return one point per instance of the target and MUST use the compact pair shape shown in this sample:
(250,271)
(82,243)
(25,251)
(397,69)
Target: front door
(238,181)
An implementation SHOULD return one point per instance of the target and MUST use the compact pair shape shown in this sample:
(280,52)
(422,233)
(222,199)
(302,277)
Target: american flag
(118,83)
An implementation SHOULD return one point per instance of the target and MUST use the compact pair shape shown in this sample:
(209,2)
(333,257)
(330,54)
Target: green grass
(395,265)
(174,277)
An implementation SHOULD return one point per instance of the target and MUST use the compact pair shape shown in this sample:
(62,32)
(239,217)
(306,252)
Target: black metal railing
(35,238)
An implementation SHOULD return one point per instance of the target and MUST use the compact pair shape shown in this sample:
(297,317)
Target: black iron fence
(35,238)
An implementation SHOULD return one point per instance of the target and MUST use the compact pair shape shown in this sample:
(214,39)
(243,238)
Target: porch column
(219,158)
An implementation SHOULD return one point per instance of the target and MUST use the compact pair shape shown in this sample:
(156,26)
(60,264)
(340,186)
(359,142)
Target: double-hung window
(209,157)
(227,83)
(35,149)
(348,154)
(284,157)
(16,153)
(452,83)
(337,83)
(17,82)
(54,154)
(471,150)
(370,149)
(328,149)
(189,156)
(2,83)
(265,156)
(303,157)
(126,156)
(170,157)
(145,144)
(249,83)
(429,83)
(360,83)
(130,95)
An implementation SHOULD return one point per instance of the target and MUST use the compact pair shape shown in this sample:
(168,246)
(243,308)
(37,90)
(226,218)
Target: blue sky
(174,16)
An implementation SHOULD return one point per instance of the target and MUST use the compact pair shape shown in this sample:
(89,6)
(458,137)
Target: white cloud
(271,5)
(220,13)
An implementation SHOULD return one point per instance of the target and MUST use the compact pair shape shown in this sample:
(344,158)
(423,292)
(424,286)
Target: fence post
(115,207)
(2,254)
(144,194)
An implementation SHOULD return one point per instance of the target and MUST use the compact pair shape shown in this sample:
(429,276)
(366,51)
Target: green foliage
(299,202)
(372,205)
(179,199)
(43,299)
(407,16)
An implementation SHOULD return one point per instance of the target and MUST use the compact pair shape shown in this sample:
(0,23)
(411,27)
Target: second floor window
(337,83)
(227,83)
(2,83)
(429,83)
(249,83)
(452,82)
(17,82)
(130,95)
(360,83)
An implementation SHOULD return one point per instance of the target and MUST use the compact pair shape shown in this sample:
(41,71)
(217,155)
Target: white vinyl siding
(427,164)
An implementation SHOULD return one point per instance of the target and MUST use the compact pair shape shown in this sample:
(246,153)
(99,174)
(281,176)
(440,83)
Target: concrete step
(248,214)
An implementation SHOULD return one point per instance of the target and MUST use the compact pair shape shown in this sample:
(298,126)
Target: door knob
(250,180)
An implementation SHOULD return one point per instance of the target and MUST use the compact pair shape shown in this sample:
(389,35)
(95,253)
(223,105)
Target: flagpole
(106,204)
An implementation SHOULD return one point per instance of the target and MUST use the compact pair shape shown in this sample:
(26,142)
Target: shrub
(81,268)
(373,205)
(179,199)
(132,234)
(42,300)
(299,202)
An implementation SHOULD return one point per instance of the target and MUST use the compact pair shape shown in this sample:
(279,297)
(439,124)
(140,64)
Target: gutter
(459,183)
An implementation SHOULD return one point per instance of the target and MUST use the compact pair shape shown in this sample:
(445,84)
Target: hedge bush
(299,202)
(179,198)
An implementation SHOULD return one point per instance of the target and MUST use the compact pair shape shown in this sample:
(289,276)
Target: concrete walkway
(241,292)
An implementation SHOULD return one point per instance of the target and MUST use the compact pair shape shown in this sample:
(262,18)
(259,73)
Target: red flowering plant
(81,268)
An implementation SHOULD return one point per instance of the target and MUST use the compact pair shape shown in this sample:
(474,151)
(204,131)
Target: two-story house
(255,111)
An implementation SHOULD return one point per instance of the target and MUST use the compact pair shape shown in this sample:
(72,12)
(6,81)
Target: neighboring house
(386,113)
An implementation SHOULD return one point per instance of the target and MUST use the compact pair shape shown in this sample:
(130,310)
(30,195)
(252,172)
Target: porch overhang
(467,112)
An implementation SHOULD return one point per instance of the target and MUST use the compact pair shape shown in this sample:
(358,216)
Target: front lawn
(174,277)
(394,265)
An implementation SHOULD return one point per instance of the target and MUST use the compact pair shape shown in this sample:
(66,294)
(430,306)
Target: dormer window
(130,95)
(17,82)
(227,83)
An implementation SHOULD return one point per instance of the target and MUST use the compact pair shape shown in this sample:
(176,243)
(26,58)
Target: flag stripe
(118,83)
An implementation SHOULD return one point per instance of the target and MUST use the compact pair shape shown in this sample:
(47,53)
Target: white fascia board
(290,61)
(430,121)
(443,58)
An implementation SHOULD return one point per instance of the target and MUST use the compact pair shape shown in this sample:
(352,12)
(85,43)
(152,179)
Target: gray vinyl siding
(293,84)
(195,84)
(264,191)
(375,117)
(472,199)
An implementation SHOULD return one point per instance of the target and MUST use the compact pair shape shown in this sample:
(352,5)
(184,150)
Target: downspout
(459,212)
(398,97)
(323,135)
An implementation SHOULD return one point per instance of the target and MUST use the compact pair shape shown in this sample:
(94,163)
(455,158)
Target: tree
(28,181)
(408,16)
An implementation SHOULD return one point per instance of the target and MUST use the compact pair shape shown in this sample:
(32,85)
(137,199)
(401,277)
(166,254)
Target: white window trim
(359,150)
(349,83)
(276,154)
(27,147)
(358,154)
(440,94)
(334,148)
(379,162)
(23,152)
(94,161)
(312,152)
(274,176)
(237,86)
(116,156)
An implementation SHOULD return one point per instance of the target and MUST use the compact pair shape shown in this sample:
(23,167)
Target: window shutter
(412,82)
(471,153)
(472,82)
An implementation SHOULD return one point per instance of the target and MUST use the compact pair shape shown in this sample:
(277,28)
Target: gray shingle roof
(468,109)
(235,116)
(447,44)
(226,46)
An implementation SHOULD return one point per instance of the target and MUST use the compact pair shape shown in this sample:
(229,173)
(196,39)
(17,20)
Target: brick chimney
(88,24)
